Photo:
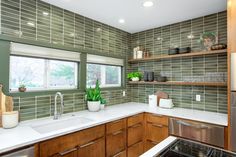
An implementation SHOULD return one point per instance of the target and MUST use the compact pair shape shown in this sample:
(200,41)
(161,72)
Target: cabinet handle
(118,132)
(88,144)
(157,115)
(153,142)
(67,151)
(137,125)
(157,125)
(117,121)
(118,154)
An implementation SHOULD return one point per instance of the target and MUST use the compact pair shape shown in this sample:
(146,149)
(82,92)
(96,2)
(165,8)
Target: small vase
(93,106)
(135,79)
(22,89)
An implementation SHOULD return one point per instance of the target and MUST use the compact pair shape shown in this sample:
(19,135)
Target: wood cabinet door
(156,132)
(135,150)
(115,126)
(115,143)
(135,134)
(149,144)
(120,154)
(133,120)
(93,149)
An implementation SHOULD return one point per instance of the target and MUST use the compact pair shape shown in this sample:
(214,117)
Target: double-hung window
(40,68)
(107,70)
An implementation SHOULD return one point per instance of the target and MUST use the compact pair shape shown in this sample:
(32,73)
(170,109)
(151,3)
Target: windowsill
(42,90)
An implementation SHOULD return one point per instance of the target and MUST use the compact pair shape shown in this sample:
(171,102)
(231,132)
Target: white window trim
(46,86)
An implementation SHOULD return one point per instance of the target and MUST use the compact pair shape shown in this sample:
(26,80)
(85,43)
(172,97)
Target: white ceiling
(137,18)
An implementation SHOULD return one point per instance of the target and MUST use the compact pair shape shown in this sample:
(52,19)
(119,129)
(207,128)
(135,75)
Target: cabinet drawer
(149,144)
(116,126)
(93,149)
(115,143)
(135,119)
(159,119)
(135,150)
(70,142)
(156,132)
(135,134)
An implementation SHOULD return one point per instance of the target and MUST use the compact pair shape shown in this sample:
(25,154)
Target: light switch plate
(124,93)
(198,97)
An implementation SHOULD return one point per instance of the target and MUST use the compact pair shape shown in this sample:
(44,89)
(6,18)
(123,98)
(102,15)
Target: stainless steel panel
(207,133)
(27,152)
(233,99)
(233,71)
(233,128)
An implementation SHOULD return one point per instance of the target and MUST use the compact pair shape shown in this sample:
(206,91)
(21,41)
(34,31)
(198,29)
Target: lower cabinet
(156,130)
(136,149)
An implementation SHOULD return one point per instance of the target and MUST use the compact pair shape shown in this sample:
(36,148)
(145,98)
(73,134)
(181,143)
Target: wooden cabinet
(94,148)
(135,135)
(68,145)
(231,15)
(116,138)
(156,129)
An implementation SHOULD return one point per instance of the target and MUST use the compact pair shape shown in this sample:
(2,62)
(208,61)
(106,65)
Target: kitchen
(116,79)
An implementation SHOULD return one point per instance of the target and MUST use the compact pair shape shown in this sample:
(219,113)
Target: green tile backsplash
(36,20)
(158,40)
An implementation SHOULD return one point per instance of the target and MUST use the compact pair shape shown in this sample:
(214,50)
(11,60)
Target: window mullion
(46,78)
(103,75)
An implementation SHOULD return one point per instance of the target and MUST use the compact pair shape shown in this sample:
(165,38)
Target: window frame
(121,75)
(46,87)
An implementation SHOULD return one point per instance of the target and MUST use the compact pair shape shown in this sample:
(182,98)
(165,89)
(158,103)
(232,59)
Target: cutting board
(161,95)
(6,103)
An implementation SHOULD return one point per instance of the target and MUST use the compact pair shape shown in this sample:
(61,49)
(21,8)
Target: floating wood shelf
(178,55)
(222,84)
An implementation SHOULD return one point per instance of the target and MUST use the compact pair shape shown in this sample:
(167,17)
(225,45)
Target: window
(106,69)
(42,73)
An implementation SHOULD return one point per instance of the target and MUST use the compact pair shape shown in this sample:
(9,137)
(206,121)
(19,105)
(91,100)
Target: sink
(60,124)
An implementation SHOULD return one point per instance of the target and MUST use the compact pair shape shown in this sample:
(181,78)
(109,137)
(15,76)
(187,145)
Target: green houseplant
(22,87)
(103,103)
(93,96)
(134,76)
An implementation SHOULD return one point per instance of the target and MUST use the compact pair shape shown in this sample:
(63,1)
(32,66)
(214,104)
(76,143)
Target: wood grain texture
(135,150)
(192,54)
(115,126)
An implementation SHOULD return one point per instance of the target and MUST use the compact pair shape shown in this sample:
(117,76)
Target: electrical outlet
(198,97)
(124,93)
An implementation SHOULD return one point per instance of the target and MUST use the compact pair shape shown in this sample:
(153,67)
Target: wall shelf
(192,54)
(222,84)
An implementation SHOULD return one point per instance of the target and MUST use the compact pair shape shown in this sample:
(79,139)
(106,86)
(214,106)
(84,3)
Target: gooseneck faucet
(56,114)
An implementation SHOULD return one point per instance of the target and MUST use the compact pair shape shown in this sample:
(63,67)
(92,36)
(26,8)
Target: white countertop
(156,150)
(24,135)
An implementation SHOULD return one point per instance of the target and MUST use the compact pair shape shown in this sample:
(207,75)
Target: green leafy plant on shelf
(134,76)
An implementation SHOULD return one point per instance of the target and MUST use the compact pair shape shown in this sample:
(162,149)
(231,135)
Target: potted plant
(22,88)
(134,76)
(103,103)
(94,98)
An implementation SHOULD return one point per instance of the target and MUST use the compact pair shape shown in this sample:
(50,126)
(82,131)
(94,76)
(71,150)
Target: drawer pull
(118,154)
(153,142)
(157,115)
(137,125)
(117,121)
(118,132)
(67,151)
(157,125)
(88,144)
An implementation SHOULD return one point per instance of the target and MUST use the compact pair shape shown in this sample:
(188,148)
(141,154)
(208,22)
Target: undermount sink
(60,124)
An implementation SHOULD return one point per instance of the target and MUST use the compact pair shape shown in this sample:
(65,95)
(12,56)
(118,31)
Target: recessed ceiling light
(121,21)
(148,3)
(30,24)
(45,13)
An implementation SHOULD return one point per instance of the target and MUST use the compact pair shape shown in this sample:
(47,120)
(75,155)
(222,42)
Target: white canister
(139,54)
(152,101)
(10,119)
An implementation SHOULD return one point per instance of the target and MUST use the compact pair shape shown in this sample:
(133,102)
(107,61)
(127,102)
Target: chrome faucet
(56,114)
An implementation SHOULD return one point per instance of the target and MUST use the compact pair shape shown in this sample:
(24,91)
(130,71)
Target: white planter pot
(135,79)
(93,106)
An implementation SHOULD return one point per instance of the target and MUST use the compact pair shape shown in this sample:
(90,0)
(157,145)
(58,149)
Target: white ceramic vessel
(135,79)
(10,119)
(93,106)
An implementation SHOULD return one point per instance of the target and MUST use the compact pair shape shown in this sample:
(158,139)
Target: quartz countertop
(24,134)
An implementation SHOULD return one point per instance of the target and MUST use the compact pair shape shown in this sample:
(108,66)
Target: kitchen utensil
(150,76)
(166,103)
(185,50)
(161,78)
(152,100)
(161,95)
(173,51)
(10,119)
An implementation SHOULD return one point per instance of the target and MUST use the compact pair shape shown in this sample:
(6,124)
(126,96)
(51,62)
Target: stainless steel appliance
(206,133)
(233,101)
(187,148)
(26,152)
